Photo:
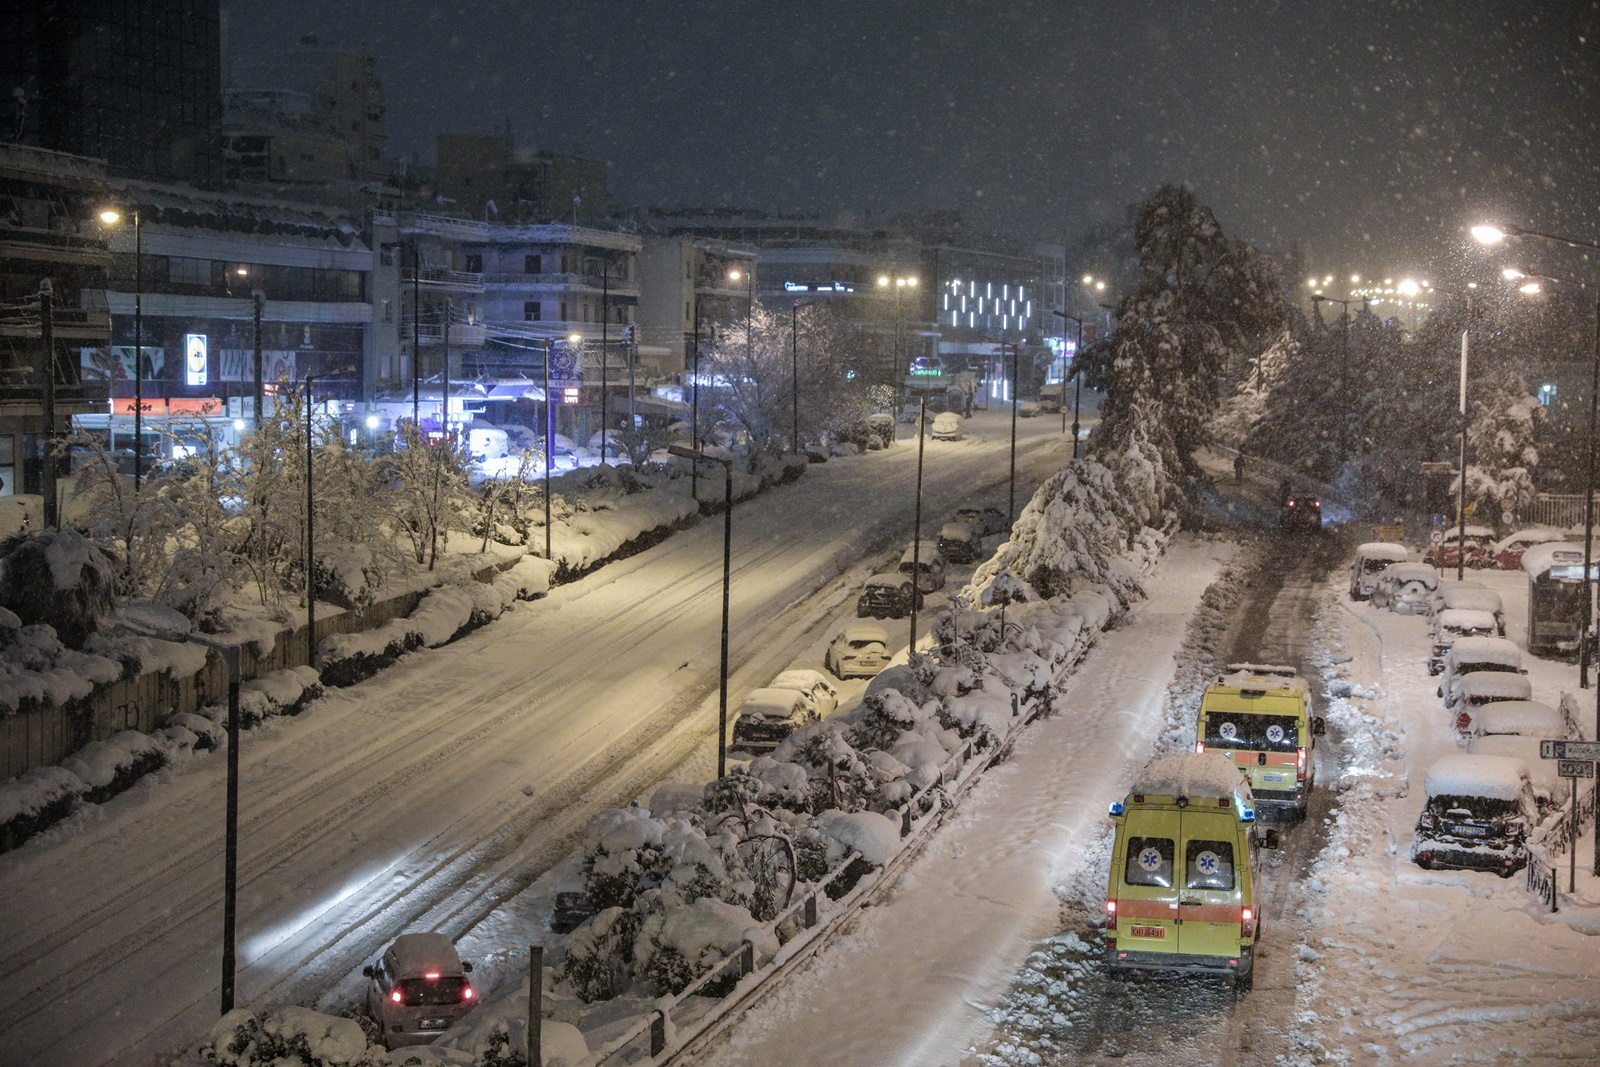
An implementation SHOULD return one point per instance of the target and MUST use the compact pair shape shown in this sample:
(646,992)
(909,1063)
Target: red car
(1447,553)
(1507,552)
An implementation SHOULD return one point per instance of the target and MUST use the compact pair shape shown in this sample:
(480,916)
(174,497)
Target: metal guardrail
(1561,510)
(1541,882)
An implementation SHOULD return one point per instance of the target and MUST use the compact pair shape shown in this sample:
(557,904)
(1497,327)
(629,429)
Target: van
(1371,559)
(769,715)
(418,989)
(1261,720)
(1181,892)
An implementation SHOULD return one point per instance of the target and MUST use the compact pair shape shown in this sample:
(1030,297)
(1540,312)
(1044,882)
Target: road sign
(1392,533)
(1436,535)
(1437,522)
(1570,750)
(1575,768)
(1507,517)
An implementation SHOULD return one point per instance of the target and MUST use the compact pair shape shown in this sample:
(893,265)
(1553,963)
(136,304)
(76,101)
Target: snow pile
(1462,775)
(284,692)
(36,669)
(292,1035)
(875,838)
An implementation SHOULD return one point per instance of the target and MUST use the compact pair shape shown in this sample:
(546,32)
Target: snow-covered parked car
(1472,540)
(1405,588)
(1477,814)
(1515,728)
(1474,654)
(1471,596)
(985,520)
(888,596)
(860,650)
(947,426)
(958,542)
(1452,624)
(814,685)
(769,715)
(1371,559)
(1467,691)
(1506,553)
(924,562)
(418,989)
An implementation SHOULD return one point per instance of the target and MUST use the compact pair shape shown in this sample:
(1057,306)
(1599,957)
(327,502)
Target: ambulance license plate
(1149,931)
(1272,777)
(433,1024)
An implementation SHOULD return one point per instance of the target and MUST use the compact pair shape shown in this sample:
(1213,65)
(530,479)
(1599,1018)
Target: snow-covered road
(426,796)
(910,983)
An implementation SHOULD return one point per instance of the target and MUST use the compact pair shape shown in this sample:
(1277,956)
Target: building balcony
(70,324)
(432,333)
(442,281)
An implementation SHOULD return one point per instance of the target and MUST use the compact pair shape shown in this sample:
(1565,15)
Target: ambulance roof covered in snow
(1486,650)
(1383,550)
(1464,774)
(1530,718)
(1248,681)
(1192,774)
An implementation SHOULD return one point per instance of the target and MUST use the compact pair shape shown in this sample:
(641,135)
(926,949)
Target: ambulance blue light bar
(1116,807)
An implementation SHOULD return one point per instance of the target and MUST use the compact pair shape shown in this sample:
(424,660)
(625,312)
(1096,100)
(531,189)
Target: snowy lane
(446,784)
(911,980)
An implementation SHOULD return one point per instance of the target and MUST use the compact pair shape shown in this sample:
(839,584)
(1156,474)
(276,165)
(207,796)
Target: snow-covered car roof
(1480,533)
(957,531)
(1464,774)
(1524,750)
(946,419)
(1192,774)
(1250,680)
(415,953)
(1411,572)
(1502,685)
(898,581)
(1459,619)
(864,631)
(771,702)
(1486,650)
(1468,596)
(1278,669)
(1383,550)
(799,677)
(1541,557)
(1530,718)
(1532,536)
(926,553)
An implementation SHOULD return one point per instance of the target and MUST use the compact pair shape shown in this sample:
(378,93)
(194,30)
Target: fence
(1542,882)
(1561,510)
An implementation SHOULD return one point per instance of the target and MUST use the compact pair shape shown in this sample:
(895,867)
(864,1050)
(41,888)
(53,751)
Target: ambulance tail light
(1300,764)
(1111,914)
(1247,922)
(1199,746)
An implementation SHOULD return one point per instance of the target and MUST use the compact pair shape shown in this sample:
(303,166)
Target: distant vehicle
(1371,559)
(1473,540)
(814,685)
(1477,814)
(1265,725)
(947,426)
(985,520)
(887,596)
(572,909)
(1405,588)
(1506,553)
(1301,513)
(924,560)
(958,542)
(418,989)
(1028,409)
(769,715)
(860,650)
(1450,625)
(1474,689)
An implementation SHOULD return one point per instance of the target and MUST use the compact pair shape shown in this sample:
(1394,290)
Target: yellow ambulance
(1181,894)
(1260,717)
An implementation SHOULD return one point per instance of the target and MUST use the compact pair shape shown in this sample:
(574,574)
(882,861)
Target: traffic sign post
(1574,760)
(1436,536)
(1570,750)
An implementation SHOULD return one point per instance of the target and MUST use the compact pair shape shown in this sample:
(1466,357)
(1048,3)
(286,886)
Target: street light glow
(110,216)
(1490,235)
(734,275)
(1512,274)
(883,279)
(1408,288)
(1530,287)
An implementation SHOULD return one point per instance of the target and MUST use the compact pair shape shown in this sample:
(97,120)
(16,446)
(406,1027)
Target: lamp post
(416,337)
(605,343)
(697,455)
(901,284)
(111,216)
(549,417)
(167,624)
(311,585)
(794,373)
(916,530)
(1492,235)
(47,341)
(1077,380)
(258,300)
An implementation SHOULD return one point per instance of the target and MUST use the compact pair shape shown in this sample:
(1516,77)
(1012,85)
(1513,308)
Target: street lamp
(916,529)
(166,624)
(111,216)
(697,455)
(901,284)
(1077,382)
(1493,234)
(605,343)
(749,277)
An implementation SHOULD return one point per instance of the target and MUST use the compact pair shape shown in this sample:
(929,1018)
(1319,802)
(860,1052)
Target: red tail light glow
(1247,922)
(396,997)
(1199,746)
(467,993)
(1300,764)
(1111,915)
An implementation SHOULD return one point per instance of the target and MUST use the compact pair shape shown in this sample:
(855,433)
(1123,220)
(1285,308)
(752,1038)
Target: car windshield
(421,992)
(1256,733)
(1465,807)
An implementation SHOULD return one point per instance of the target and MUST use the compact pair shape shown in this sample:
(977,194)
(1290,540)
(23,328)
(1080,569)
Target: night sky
(1371,133)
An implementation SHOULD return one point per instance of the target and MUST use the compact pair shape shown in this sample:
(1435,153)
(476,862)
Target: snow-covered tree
(427,492)
(1239,415)
(59,578)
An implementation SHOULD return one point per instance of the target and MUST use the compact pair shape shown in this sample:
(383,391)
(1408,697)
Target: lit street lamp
(311,585)
(1077,382)
(901,284)
(794,372)
(1492,235)
(111,216)
(697,455)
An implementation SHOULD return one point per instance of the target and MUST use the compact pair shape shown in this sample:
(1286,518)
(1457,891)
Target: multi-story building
(47,203)
(490,178)
(137,85)
(685,284)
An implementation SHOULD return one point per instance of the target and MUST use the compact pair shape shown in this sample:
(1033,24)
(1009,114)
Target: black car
(887,596)
(1301,513)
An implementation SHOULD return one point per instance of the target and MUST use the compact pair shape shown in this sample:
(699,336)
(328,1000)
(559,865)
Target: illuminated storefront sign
(818,287)
(194,358)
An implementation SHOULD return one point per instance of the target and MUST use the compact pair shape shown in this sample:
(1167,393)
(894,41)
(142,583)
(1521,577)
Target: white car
(1405,588)
(947,426)
(860,650)
(814,686)
(1452,624)
(1371,559)
(418,989)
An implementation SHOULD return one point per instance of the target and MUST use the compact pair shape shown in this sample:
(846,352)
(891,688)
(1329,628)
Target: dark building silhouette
(137,83)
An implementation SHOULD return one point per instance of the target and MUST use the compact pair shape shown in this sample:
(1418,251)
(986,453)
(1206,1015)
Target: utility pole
(47,337)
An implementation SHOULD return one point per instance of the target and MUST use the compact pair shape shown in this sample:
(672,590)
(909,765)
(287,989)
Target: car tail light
(432,976)
(1516,828)
(1316,503)
(1111,915)
(1290,504)
(467,993)
(1463,721)
(1300,764)
(397,997)
(1247,922)
(1199,746)
(1427,822)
